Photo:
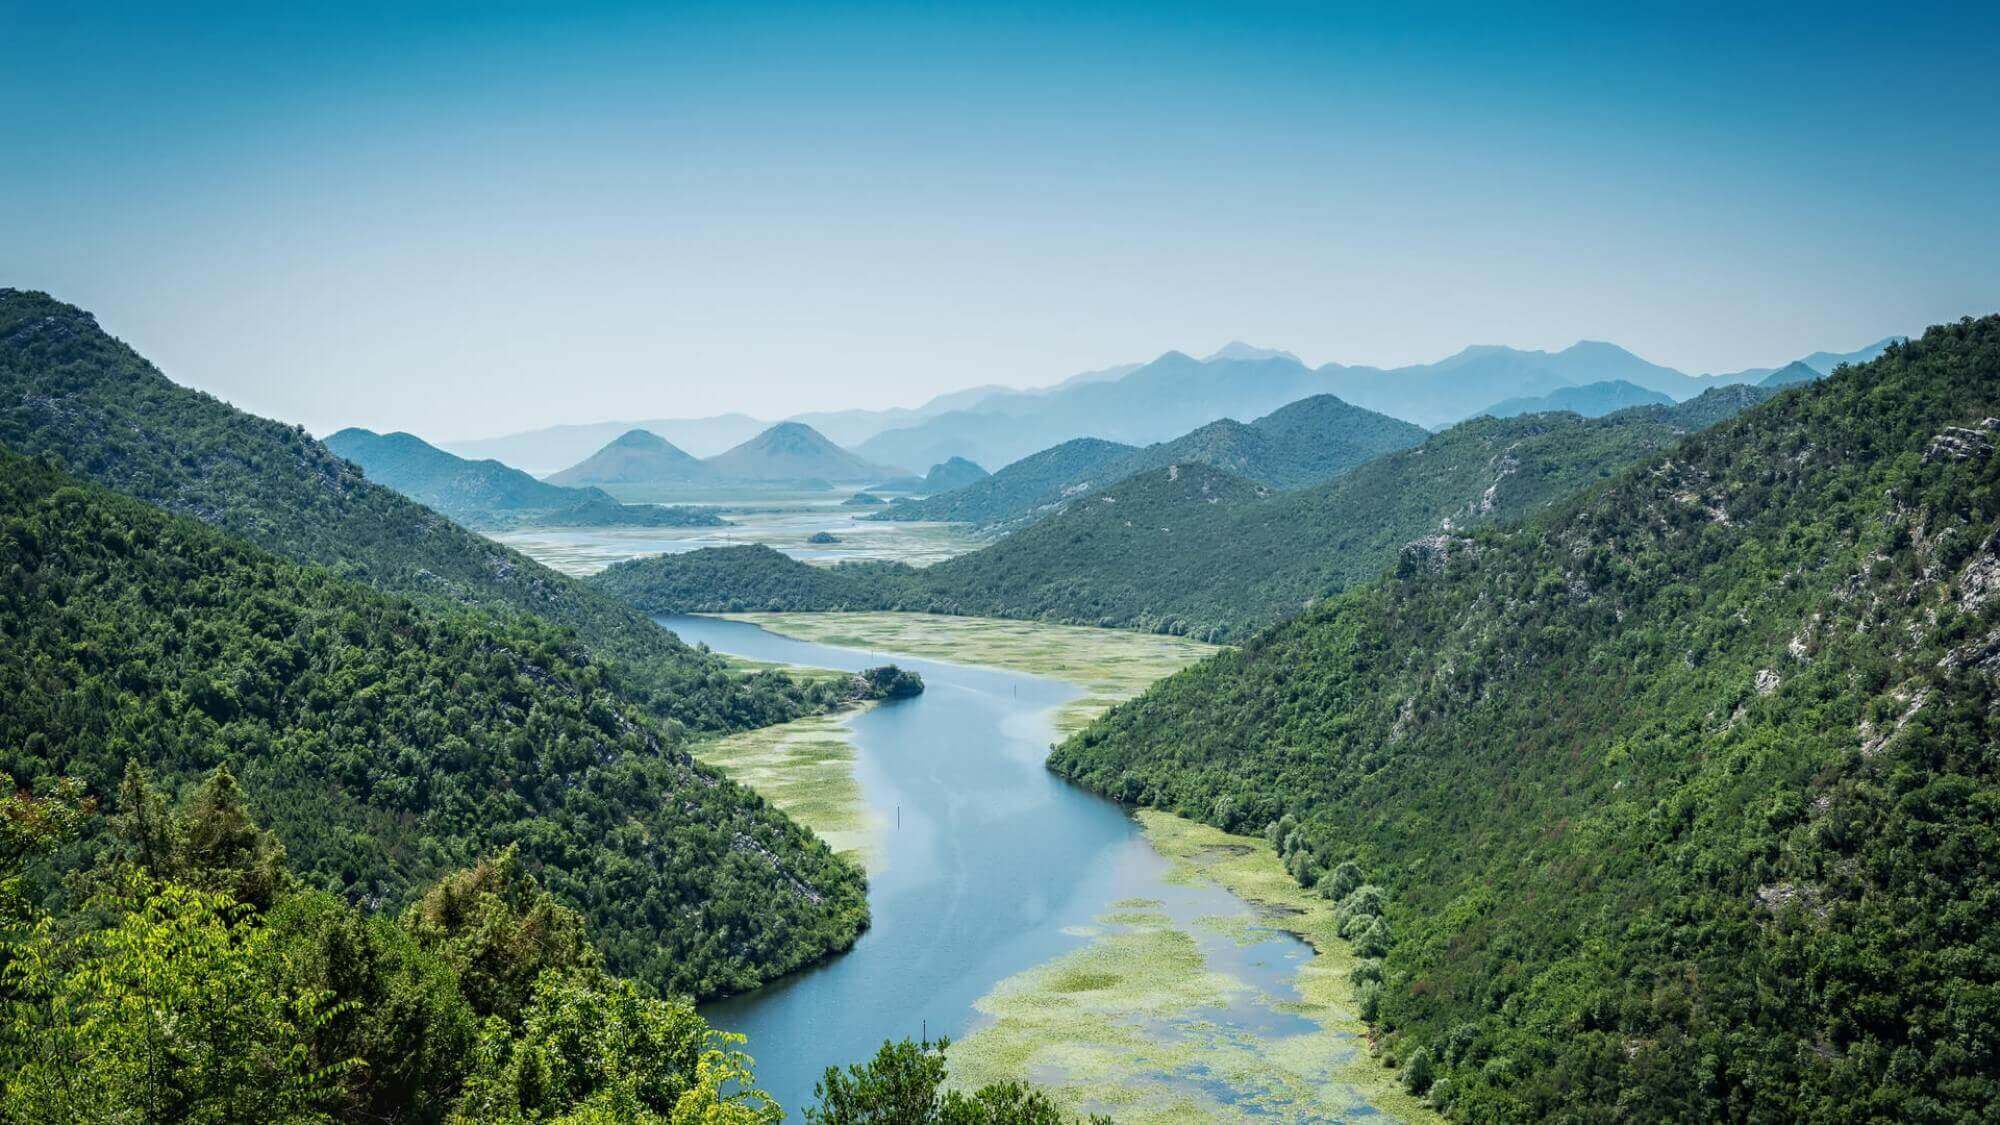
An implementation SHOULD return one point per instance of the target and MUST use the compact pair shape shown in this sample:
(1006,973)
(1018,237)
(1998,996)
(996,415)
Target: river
(987,865)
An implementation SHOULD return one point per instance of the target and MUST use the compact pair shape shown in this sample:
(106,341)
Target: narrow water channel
(987,865)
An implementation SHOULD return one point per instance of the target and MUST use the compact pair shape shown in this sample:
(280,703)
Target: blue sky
(471,221)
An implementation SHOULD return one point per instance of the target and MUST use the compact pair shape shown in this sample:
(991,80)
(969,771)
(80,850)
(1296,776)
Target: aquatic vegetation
(1125,1024)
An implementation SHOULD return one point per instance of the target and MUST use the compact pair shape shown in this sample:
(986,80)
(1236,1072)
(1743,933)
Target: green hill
(954,472)
(636,457)
(1297,445)
(389,743)
(1679,802)
(1592,400)
(1192,549)
(1017,489)
(488,494)
(793,451)
(70,390)
(756,578)
(1792,374)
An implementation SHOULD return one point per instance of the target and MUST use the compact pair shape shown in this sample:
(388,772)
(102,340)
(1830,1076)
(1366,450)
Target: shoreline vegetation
(1080,1044)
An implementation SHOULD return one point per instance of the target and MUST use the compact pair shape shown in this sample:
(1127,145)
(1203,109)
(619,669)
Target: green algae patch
(1249,868)
(1083,1025)
(1110,665)
(1131,1024)
(806,769)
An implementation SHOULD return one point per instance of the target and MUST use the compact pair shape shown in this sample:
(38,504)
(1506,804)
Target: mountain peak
(1589,347)
(1237,349)
(1791,374)
(638,439)
(796,451)
(633,457)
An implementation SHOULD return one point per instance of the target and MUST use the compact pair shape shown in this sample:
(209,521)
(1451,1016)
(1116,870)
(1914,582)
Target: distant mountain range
(786,452)
(1296,445)
(1177,392)
(488,495)
(1140,404)
(551,448)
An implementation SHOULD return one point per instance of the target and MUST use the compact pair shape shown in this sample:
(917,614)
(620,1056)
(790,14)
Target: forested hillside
(1299,444)
(1017,489)
(70,390)
(197,979)
(387,742)
(1678,803)
(1190,549)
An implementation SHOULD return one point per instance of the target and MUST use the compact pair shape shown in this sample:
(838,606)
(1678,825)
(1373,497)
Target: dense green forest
(70,390)
(196,978)
(388,741)
(1190,549)
(1676,803)
(1299,444)
(491,496)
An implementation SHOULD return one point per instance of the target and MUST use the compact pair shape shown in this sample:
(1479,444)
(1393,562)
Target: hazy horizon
(465,227)
(1200,353)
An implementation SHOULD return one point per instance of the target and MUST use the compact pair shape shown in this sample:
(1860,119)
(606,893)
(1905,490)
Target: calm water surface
(787,525)
(985,860)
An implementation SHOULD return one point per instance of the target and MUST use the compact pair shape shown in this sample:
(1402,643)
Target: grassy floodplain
(805,768)
(1111,665)
(1117,1026)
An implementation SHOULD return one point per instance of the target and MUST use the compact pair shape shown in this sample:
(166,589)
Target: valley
(1156,969)
(998,564)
